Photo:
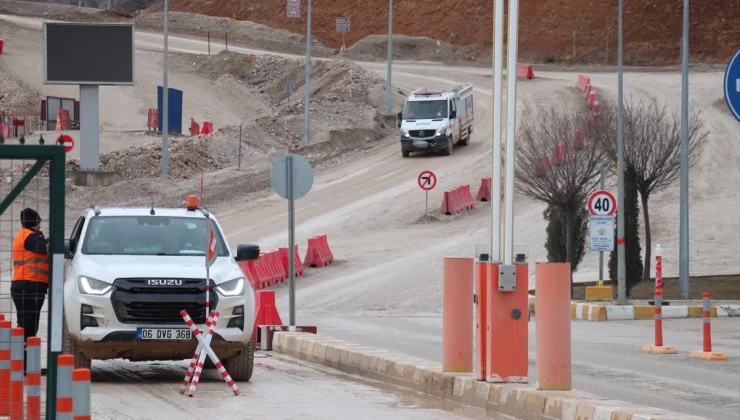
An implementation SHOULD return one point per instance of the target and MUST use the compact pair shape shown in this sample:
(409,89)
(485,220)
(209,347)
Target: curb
(518,401)
(597,313)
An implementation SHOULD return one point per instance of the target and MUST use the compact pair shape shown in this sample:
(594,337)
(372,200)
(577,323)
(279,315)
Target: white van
(436,119)
(130,271)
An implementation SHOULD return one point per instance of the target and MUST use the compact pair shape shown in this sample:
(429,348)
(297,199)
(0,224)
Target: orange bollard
(481,296)
(706,353)
(508,353)
(658,348)
(17,408)
(5,327)
(457,315)
(552,326)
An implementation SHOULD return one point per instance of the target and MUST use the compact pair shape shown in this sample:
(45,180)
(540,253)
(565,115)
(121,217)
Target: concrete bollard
(552,326)
(81,394)
(5,327)
(457,315)
(33,378)
(17,408)
(65,402)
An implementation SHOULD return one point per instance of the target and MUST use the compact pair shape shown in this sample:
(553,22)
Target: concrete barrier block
(494,397)
(645,311)
(596,313)
(512,401)
(675,312)
(559,408)
(620,313)
(533,404)
(585,409)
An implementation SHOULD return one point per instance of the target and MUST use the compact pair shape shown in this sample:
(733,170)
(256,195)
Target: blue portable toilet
(174,110)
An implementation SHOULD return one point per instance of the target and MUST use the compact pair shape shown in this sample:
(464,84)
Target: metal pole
(388,88)
(511,131)
(291,238)
(307,110)
(683,267)
(227,41)
(239,165)
(165,99)
(209,43)
(601,253)
(498,97)
(426,203)
(621,269)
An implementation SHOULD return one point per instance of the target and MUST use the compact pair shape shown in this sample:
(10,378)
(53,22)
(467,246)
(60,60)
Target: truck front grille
(136,302)
(422,133)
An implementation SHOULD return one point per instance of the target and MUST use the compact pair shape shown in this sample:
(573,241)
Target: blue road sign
(342,24)
(732,85)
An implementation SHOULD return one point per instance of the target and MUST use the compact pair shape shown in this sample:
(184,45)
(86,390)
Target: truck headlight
(441,132)
(404,133)
(234,287)
(91,286)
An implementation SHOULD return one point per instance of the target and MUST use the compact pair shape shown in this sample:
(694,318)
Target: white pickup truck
(130,271)
(436,119)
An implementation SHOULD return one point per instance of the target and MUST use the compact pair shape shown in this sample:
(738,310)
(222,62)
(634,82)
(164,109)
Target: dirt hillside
(652,27)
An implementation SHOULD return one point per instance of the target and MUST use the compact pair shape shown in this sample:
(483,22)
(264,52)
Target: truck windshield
(425,110)
(148,235)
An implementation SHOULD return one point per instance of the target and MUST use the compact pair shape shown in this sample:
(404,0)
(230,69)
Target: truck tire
(464,140)
(240,366)
(70,347)
(448,149)
(405,153)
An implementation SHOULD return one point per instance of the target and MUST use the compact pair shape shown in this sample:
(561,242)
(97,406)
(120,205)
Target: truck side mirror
(453,115)
(399,118)
(247,252)
(67,250)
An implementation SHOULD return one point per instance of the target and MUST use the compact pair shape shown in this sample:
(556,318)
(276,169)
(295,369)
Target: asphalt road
(607,357)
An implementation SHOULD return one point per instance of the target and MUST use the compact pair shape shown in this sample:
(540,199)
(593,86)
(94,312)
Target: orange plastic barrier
(207,128)
(457,199)
(525,71)
(583,83)
(592,98)
(63,122)
(484,192)
(552,326)
(5,131)
(152,119)
(2,44)
(284,257)
(579,142)
(266,313)
(457,308)
(318,252)
(558,155)
(5,327)
(194,128)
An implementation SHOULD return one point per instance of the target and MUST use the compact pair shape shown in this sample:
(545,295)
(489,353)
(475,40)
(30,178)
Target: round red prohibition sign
(602,203)
(66,141)
(427,180)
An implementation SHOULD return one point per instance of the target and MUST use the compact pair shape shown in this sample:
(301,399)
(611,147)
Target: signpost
(601,205)
(291,177)
(66,141)
(293,10)
(732,85)
(427,181)
(343,28)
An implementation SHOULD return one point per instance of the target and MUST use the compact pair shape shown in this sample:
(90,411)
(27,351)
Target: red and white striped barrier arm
(202,354)
(224,374)
(194,360)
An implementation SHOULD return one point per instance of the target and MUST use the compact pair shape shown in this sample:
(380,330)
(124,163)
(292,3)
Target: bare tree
(558,167)
(652,147)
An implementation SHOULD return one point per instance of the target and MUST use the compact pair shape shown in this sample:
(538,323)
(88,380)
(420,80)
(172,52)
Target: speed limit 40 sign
(602,203)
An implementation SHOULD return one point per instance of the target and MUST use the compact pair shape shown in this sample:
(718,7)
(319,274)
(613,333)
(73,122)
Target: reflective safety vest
(28,265)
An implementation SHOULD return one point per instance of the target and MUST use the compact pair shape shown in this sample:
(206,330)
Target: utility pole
(165,99)
(388,88)
(683,264)
(498,99)
(621,266)
(307,111)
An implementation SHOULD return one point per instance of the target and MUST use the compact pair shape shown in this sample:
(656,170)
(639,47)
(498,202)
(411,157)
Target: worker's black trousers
(28,297)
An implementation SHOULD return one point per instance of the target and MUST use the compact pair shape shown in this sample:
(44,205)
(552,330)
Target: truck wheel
(448,149)
(70,347)
(405,153)
(464,141)
(240,366)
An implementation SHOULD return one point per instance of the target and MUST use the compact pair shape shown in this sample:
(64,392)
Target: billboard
(89,53)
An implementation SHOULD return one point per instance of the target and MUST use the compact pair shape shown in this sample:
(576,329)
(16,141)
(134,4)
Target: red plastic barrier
(284,257)
(542,166)
(2,43)
(207,128)
(5,131)
(579,142)
(558,155)
(152,119)
(583,83)
(525,71)
(194,128)
(457,200)
(592,98)
(595,107)
(63,122)
(250,273)
(484,192)
(266,312)
(318,252)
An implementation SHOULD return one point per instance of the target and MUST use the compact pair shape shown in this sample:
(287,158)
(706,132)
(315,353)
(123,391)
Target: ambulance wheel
(448,149)
(240,366)
(464,141)
(70,347)
(405,153)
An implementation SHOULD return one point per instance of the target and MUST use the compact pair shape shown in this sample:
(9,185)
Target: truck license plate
(176,334)
(421,144)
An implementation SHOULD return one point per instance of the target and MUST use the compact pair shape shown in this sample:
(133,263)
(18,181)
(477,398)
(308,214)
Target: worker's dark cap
(29,218)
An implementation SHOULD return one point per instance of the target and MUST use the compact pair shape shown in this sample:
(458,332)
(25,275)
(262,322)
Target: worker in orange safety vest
(30,273)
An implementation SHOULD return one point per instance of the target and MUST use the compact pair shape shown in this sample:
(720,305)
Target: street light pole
(165,98)
(307,106)
(498,98)
(621,264)
(683,265)
(388,88)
